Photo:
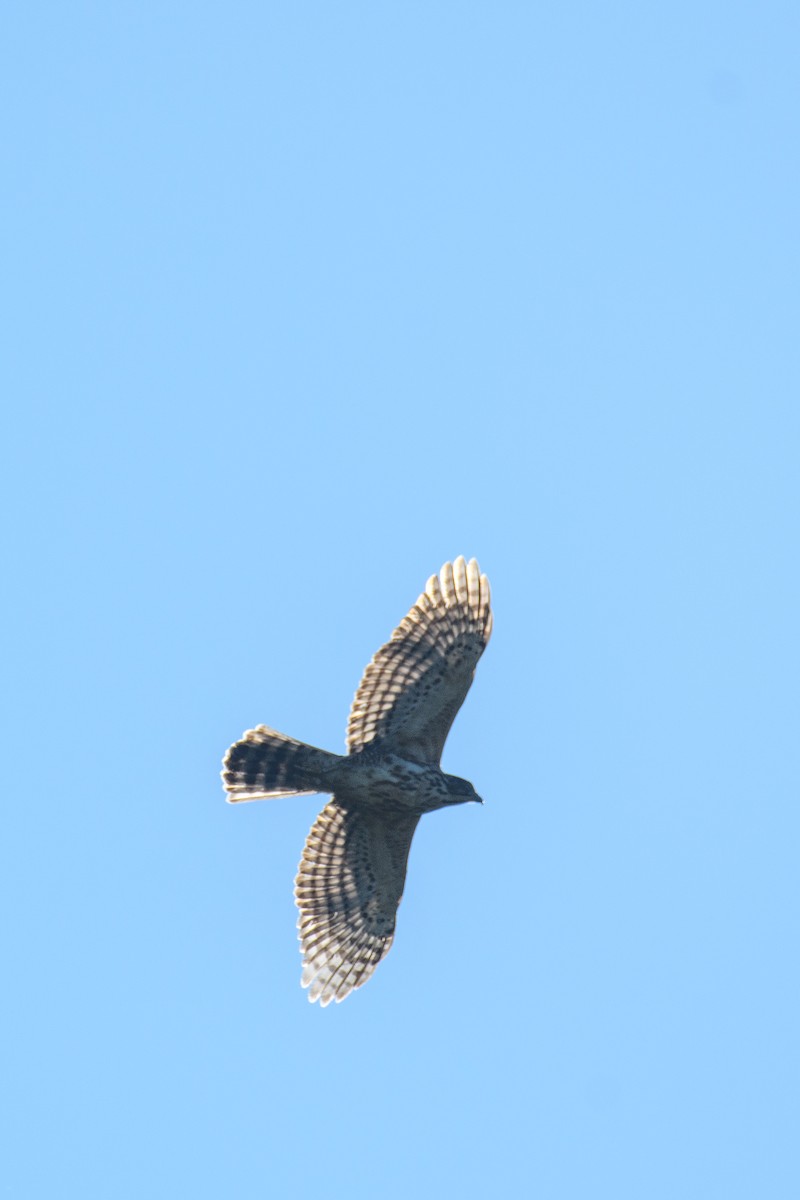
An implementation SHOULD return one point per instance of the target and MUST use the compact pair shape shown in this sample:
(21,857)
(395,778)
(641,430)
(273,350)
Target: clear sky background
(301,300)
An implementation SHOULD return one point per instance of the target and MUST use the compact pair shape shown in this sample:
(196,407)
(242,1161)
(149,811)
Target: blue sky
(299,302)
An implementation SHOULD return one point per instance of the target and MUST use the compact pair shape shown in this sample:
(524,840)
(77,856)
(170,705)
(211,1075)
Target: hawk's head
(459,791)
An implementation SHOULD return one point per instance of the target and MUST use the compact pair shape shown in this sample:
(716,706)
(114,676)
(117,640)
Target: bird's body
(369,779)
(394,784)
(350,880)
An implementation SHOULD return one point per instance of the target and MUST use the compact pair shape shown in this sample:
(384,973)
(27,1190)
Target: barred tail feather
(266,763)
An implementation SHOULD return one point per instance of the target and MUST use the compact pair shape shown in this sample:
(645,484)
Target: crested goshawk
(351,876)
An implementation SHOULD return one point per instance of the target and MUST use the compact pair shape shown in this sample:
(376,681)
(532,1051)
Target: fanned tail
(265,764)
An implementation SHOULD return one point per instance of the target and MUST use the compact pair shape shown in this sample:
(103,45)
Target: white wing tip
(461,581)
(327,981)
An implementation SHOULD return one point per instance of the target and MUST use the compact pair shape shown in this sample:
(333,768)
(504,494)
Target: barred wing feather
(416,683)
(349,884)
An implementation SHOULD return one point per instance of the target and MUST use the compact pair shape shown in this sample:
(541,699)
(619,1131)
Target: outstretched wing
(349,884)
(416,683)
